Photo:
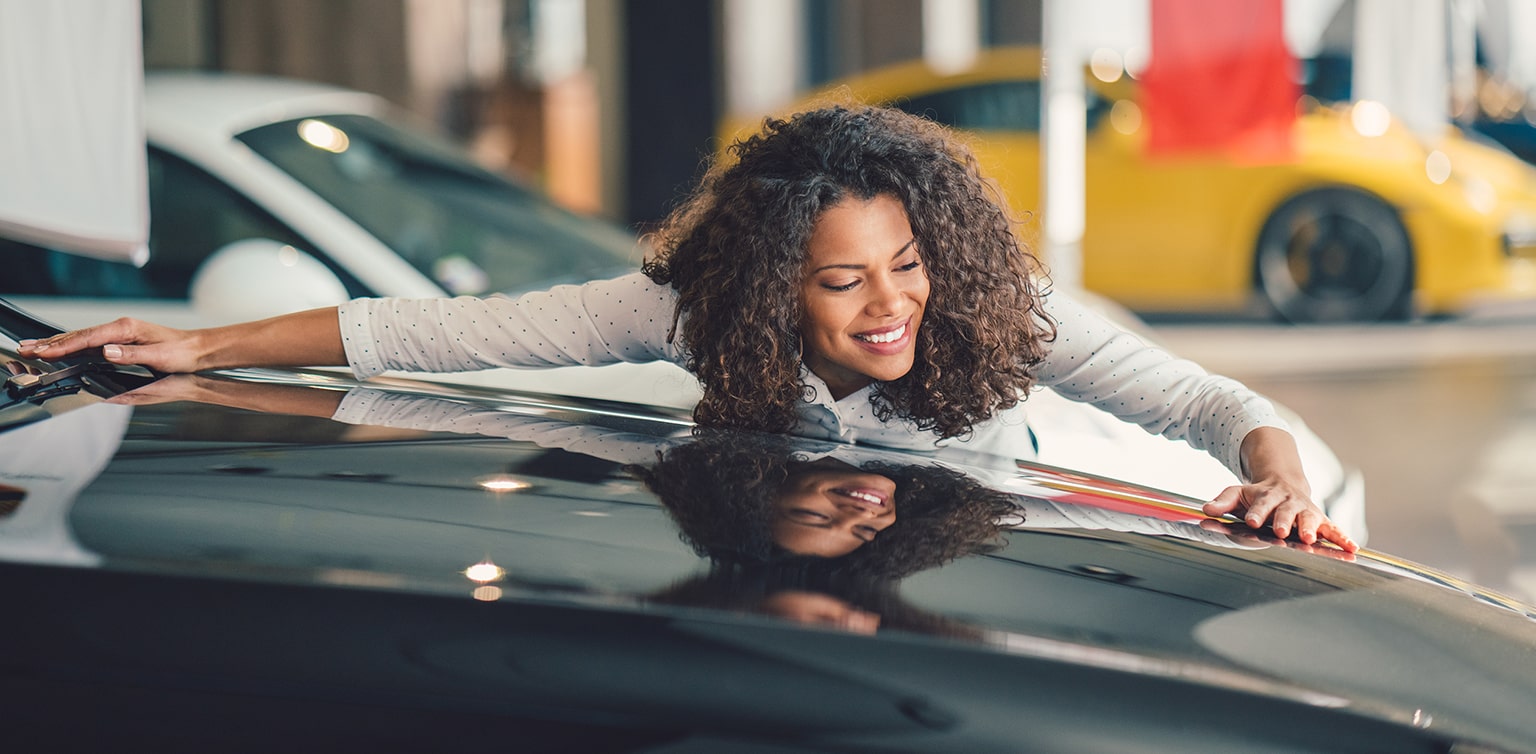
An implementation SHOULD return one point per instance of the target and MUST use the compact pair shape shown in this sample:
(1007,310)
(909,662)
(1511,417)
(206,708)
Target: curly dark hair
(721,489)
(735,251)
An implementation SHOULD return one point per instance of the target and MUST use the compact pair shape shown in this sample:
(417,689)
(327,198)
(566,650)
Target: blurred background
(1328,199)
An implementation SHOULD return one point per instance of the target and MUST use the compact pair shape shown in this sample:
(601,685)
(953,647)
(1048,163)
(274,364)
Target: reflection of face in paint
(10,499)
(829,509)
(752,499)
(821,610)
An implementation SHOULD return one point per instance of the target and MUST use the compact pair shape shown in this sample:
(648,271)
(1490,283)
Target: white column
(559,38)
(1505,28)
(1461,49)
(951,34)
(1400,61)
(1063,126)
(1305,22)
(763,55)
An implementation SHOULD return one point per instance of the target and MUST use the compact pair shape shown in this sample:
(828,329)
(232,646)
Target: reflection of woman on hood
(739,496)
(753,499)
(810,593)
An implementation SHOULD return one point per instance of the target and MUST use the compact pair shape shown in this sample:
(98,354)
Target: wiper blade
(20,386)
(97,377)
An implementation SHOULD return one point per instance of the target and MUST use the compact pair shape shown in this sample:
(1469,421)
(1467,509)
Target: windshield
(470,230)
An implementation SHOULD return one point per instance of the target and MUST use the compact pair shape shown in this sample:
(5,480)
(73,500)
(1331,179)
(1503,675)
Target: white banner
(72,162)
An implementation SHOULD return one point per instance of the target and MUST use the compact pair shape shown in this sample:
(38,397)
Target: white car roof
(223,104)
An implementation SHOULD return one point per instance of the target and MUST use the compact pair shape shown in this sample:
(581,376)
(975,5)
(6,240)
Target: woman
(849,276)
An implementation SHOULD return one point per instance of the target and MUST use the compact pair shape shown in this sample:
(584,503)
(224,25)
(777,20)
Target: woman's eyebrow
(897,255)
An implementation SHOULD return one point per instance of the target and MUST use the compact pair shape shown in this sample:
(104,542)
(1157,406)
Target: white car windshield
(469,229)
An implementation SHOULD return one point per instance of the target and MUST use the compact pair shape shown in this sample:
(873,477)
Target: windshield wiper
(20,386)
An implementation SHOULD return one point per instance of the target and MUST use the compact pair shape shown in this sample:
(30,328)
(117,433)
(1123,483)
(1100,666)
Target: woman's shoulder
(634,287)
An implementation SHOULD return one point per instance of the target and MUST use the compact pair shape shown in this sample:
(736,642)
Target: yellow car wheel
(1335,255)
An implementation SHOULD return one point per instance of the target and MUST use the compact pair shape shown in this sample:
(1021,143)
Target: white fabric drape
(72,161)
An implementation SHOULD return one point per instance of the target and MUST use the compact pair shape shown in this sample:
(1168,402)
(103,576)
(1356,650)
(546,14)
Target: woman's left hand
(1285,507)
(1278,494)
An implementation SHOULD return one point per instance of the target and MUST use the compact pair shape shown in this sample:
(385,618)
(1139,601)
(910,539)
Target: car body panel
(225,565)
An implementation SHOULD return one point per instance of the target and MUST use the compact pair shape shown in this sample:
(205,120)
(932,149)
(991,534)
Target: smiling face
(831,509)
(863,294)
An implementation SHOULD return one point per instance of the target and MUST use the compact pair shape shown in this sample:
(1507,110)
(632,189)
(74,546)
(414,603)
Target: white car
(269,196)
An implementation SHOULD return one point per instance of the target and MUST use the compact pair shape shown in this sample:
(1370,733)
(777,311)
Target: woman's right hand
(303,339)
(124,341)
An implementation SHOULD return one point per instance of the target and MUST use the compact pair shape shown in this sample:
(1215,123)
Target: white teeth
(889,337)
(865,496)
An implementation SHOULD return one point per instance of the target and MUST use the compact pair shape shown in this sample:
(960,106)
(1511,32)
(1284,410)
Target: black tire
(1335,255)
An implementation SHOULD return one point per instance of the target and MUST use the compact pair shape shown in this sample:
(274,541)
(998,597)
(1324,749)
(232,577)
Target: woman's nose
(885,298)
(856,512)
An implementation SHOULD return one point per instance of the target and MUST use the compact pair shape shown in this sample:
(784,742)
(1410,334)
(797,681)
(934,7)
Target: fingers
(1310,524)
(175,387)
(1285,510)
(1253,503)
(75,341)
(1345,550)
(123,341)
(1332,533)
(1228,501)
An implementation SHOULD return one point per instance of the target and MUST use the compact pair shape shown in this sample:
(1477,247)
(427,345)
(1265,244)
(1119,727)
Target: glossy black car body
(194,576)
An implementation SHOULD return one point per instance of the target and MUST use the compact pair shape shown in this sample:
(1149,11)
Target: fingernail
(112,352)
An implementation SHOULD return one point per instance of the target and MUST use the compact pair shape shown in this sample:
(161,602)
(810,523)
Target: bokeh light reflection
(1106,65)
(501,483)
(485,572)
(1370,119)
(322,135)
(1438,167)
(1125,117)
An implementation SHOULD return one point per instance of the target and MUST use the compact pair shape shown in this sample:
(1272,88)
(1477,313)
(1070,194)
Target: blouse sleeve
(1094,361)
(601,322)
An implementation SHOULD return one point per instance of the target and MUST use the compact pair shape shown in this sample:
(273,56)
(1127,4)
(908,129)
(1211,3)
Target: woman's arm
(251,396)
(601,322)
(309,338)
(1095,361)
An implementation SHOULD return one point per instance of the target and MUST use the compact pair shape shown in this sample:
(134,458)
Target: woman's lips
(865,497)
(886,339)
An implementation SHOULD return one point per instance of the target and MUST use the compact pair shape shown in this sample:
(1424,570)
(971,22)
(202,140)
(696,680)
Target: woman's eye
(806,514)
(866,533)
(843,287)
(910,266)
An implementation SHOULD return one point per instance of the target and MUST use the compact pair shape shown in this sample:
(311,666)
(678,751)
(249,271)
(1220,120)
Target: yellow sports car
(1368,222)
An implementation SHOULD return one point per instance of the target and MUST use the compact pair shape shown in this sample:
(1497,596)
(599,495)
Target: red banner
(1221,81)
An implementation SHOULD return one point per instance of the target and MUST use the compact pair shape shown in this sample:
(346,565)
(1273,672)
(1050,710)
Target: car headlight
(1480,194)
(1520,235)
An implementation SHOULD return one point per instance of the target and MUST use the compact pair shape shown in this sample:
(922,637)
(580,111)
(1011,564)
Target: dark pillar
(672,101)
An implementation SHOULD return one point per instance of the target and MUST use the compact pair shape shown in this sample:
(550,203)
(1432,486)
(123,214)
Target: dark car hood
(1101,580)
